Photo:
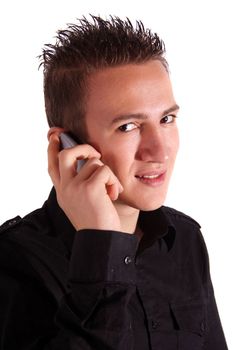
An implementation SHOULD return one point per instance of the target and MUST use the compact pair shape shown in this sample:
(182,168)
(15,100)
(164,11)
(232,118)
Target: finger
(88,168)
(113,191)
(104,175)
(54,130)
(68,160)
(53,163)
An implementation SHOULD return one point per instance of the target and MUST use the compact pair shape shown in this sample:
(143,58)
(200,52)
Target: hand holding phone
(87,197)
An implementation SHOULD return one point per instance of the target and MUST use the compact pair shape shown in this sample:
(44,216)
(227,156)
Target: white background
(198,37)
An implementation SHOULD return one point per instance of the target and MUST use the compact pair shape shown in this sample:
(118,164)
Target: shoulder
(13,260)
(177,217)
(10,224)
(23,234)
(30,249)
(188,231)
(189,238)
(18,227)
(189,251)
(14,232)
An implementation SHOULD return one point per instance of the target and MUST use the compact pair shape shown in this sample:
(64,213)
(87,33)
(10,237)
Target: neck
(128,217)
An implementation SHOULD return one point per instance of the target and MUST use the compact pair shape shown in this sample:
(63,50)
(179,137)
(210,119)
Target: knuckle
(108,171)
(89,187)
(62,154)
(105,168)
(95,161)
(91,149)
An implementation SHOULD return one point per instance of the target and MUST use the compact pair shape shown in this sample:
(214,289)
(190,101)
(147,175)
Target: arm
(97,306)
(215,339)
(214,336)
(93,314)
(94,310)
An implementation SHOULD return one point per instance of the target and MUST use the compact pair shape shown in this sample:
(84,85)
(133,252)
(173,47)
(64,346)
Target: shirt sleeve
(102,283)
(94,314)
(215,338)
(214,335)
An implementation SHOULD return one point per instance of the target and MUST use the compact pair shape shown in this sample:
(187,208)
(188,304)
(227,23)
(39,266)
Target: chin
(151,206)
(145,203)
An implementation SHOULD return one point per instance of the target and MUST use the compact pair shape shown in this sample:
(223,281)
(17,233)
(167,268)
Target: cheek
(173,144)
(177,143)
(119,161)
(117,151)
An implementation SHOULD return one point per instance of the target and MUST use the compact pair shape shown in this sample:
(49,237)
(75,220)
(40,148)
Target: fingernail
(53,137)
(121,188)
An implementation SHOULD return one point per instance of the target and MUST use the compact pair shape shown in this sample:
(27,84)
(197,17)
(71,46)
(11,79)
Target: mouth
(152,179)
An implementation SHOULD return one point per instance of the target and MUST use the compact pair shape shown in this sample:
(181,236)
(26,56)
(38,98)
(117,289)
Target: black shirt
(93,289)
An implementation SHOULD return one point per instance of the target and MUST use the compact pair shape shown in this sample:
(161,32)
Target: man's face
(130,120)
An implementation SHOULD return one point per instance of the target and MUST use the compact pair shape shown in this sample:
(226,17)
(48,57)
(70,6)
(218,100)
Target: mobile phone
(67,142)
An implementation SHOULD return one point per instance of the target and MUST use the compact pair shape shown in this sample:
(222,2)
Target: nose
(153,147)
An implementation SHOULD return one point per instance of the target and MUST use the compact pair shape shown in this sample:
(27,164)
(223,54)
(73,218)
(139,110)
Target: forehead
(130,88)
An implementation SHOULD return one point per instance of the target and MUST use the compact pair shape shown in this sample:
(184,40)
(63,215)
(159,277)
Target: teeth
(149,176)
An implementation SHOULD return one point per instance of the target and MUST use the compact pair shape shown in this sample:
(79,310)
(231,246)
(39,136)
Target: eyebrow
(142,116)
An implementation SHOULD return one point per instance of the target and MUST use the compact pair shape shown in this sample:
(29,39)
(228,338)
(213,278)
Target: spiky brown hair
(83,48)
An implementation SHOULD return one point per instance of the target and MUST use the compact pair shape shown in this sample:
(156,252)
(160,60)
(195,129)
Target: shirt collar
(155,224)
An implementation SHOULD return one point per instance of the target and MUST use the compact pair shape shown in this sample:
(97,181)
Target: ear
(54,130)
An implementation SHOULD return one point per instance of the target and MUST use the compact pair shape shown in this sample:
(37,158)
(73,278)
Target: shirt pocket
(181,327)
(190,319)
(109,311)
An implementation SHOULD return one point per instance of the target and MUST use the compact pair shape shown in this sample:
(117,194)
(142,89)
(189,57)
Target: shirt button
(203,326)
(154,324)
(128,260)
(12,222)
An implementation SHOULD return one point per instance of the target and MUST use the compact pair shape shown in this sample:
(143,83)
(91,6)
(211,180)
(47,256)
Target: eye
(168,119)
(127,127)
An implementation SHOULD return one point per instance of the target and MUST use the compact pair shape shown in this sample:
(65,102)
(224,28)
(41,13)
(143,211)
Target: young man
(103,264)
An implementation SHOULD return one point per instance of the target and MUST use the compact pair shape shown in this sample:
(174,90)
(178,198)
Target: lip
(157,180)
